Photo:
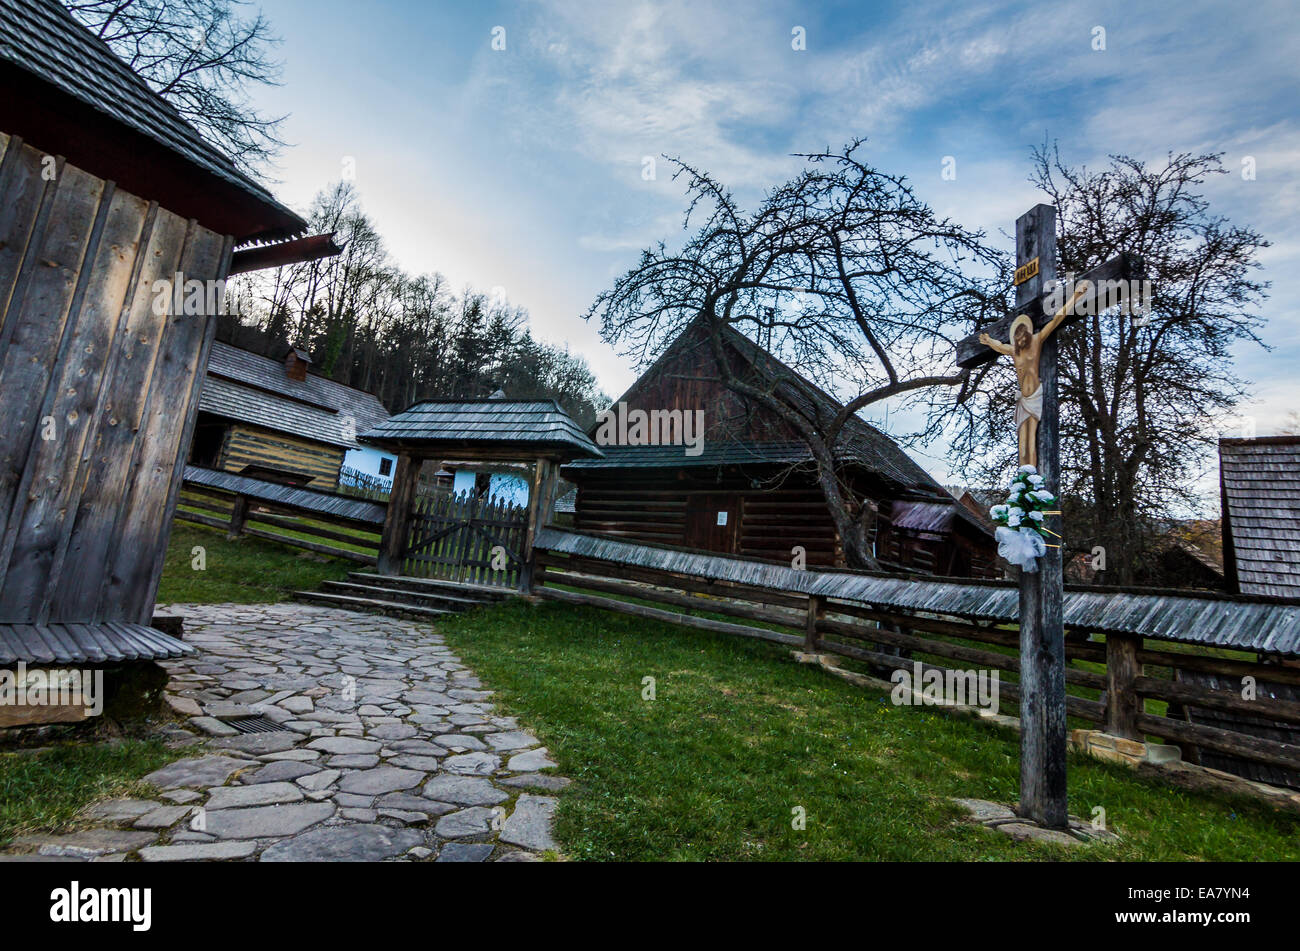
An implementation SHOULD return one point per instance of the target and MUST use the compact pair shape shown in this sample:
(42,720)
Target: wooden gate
(467,539)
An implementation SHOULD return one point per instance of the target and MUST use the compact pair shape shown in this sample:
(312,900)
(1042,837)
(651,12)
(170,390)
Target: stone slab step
(424,599)
(372,605)
(470,592)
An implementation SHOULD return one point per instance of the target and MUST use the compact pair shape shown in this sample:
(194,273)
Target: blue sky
(521,169)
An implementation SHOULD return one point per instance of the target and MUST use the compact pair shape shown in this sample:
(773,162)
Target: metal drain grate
(253,725)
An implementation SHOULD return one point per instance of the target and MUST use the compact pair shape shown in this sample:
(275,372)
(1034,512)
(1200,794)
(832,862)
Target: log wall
(98,391)
(252,446)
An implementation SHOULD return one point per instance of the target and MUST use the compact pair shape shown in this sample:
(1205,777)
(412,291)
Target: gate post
(392,545)
(539,512)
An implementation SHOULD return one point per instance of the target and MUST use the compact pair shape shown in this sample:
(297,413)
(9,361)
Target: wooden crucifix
(1028,336)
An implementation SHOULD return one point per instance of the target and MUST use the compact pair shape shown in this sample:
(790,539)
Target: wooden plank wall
(251,445)
(660,507)
(98,392)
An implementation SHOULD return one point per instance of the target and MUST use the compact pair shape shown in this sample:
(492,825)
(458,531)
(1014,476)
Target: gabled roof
(859,442)
(66,93)
(493,424)
(254,389)
(1259,482)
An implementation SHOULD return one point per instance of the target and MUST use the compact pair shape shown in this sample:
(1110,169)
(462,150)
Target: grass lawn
(739,736)
(43,791)
(247,570)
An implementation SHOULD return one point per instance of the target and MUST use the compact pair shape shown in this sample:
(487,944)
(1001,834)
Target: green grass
(43,791)
(246,571)
(739,735)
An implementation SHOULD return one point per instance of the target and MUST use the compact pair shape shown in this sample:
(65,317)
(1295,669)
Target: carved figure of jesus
(1025,348)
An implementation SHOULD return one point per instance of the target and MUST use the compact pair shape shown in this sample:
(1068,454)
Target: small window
(385,466)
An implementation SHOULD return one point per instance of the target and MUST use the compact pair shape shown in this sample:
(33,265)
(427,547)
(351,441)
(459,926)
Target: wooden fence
(283,520)
(363,485)
(465,539)
(1123,684)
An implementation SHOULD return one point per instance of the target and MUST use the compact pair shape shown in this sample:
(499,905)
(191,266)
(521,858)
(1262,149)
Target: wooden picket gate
(465,539)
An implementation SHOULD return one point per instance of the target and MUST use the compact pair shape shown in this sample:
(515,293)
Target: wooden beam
(1043,734)
(299,250)
(538,507)
(1032,299)
(392,544)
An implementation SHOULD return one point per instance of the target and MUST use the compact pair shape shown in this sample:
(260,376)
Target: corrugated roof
(44,39)
(325,503)
(493,422)
(102,642)
(1260,489)
(1208,620)
(255,389)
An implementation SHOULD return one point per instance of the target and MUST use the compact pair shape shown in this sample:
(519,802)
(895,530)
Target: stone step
(431,599)
(372,605)
(478,593)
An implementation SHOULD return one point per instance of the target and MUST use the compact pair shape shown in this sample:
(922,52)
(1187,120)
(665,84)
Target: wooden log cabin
(750,489)
(274,420)
(106,196)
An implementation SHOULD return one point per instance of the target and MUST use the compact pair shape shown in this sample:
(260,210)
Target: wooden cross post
(1042,593)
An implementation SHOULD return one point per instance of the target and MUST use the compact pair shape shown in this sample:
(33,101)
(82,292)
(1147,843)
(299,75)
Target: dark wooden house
(273,420)
(106,197)
(750,489)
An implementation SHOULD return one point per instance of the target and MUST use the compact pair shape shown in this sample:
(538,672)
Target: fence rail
(240,514)
(1109,681)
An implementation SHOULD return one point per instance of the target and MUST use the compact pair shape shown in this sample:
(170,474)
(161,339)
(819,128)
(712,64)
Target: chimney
(296,363)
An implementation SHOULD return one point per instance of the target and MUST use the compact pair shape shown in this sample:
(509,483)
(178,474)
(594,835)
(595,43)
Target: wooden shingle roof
(103,642)
(67,93)
(255,389)
(1259,482)
(859,442)
(499,425)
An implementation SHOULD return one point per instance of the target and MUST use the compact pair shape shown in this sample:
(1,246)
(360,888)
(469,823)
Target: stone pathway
(387,748)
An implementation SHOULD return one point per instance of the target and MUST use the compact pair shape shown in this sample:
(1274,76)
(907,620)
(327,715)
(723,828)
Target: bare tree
(844,275)
(1143,397)
(203,56)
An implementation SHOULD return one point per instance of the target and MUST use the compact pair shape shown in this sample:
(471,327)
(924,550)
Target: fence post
(238,516)
(816,611)
(1123,705)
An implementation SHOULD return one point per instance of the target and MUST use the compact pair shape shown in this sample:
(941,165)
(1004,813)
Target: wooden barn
(750,489)
(273,420)
(109,202)
(1259,487)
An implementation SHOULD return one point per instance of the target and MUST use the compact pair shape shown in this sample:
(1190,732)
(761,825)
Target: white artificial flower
(1035,480)
(998,511)
(1027,469)
(1043,495)
(1013,519)
(1036,516)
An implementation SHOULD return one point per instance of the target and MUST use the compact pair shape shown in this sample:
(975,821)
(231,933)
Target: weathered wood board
(98,389)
